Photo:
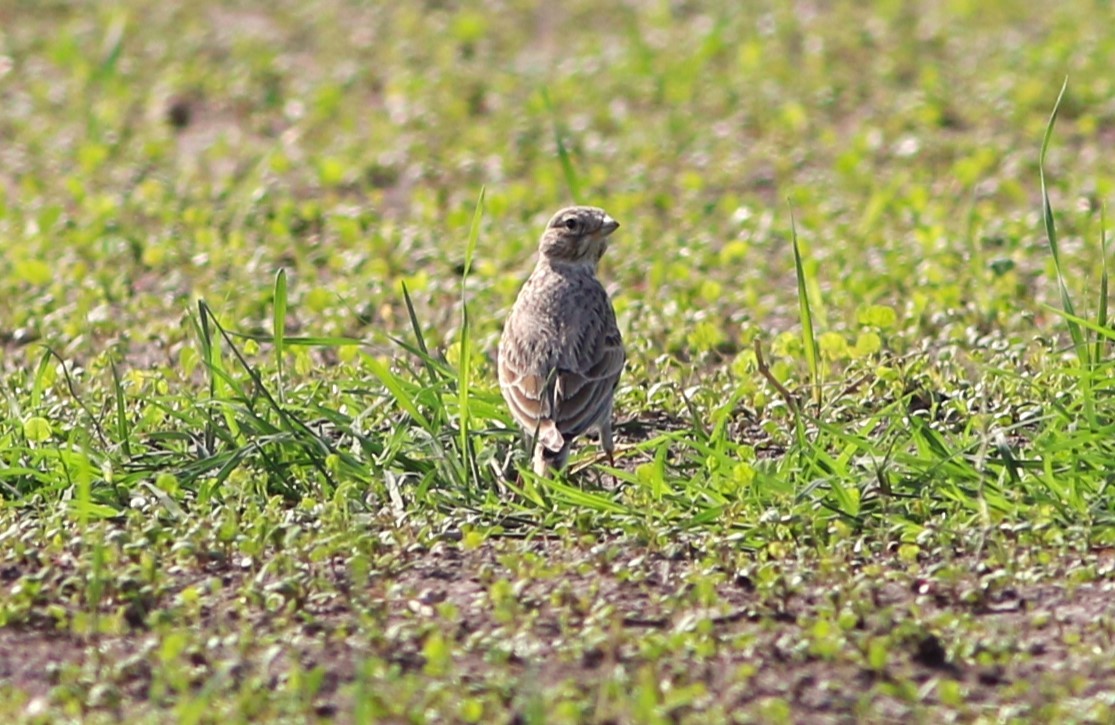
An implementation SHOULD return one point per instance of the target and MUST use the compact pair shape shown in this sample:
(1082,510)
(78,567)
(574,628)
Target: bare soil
(1025,643)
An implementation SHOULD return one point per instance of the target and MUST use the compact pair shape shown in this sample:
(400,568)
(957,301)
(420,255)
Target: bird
(561,352)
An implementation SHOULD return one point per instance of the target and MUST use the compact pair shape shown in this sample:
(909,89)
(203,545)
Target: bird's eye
(571,224)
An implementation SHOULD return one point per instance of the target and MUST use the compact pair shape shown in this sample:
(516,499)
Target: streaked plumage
(561,353)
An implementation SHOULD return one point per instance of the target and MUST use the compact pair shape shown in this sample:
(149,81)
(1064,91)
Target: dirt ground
(581,613)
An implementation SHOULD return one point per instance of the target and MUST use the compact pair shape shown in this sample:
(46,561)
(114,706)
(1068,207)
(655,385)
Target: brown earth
(582,613)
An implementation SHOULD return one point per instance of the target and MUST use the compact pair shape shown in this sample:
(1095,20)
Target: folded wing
(584,394)
(528,398)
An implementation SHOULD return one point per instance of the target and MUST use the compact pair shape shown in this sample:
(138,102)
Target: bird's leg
(609,447)
(539,460)
(547,461)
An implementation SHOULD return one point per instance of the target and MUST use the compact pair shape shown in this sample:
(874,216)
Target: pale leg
(544,459)
(607,443)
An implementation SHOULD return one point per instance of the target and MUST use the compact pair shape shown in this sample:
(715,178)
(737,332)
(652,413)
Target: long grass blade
(571,181)
(808,338)
(473,238)
(1101,314)
(278,327)
(300,341)
(209,356)
(122,430)
(1101,331)
(39,382)
(1051,232)
(1080,344)
(422,351)
(464,360)
(398,391)
(585,499)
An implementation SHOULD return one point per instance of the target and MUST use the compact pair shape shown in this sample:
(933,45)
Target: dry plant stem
(764,370)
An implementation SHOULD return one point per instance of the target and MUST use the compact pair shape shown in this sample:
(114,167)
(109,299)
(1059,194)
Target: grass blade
(41,379)
(473,237)
(278,327)
(1101,331)
(422,351)
(300,341)
(71,386)
(1051,233)
(808,338)
(464,360)
(398,391)
(1079,343)
(1101,314)
(121,415)
(205,339)
(584,499)
(571,181)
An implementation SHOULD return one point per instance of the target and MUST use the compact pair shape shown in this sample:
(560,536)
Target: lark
(561,354)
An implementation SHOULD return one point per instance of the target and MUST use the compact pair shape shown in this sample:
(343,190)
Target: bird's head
(577,235)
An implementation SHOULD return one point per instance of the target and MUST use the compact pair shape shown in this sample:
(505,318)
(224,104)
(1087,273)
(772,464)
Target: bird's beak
(608,226)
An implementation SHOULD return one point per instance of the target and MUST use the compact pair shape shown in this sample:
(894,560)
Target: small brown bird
(561,353)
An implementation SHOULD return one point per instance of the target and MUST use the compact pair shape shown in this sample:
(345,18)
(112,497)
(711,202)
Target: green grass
(254,462)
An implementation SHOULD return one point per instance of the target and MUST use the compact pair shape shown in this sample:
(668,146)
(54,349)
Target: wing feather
(584,396)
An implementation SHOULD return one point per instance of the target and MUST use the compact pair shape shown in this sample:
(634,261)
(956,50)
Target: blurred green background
(151,153)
